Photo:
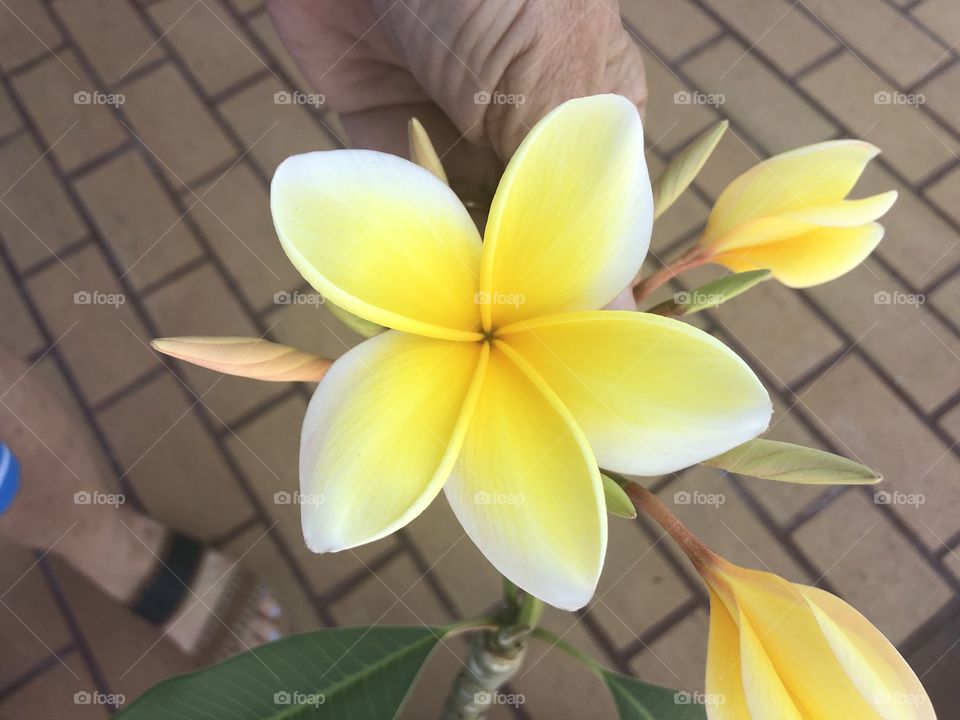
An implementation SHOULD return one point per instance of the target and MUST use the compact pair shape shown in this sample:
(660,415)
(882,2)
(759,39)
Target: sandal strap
(163,593)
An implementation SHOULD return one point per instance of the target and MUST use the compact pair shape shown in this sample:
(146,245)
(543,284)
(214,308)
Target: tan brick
(672,29)
(74,132)
(951,422)
(872,566)
(26,32)
(471,580)
(944,193)
(913,142)
(52,692)
(246,6)
(212,45)
(919,352)
(942,96)
(637,588)
(131,666)
(234,215)
(275,131)
(947,299)
(262,27)
(754,97)
(941,18)
(869,424)
(36,219)
(20,333)
(774,323)
(172,462)
(678,658)
(882,34)
(708,504)
(670,123)
(312,328)
(9,118)
(30,619)
(100,336)
(200,303)
(268,452)
(175,126)
(393,595)
(110,35)
(778,30)
(428,694)
(143,228)
(258,552)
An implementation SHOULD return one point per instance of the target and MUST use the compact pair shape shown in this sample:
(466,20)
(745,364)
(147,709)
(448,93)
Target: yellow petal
(848,212)
(247,357)
(381,434)
(652,395)
(724,687)
(814,175)
(570,222)
(527,490)
(871,663)
(381,238)
(810,258)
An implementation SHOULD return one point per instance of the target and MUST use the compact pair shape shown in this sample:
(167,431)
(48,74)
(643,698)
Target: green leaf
(357,324)
(617,501)
(710,295)
(637,700)
(422,151)
(361,673)
(786,462)
(684,168)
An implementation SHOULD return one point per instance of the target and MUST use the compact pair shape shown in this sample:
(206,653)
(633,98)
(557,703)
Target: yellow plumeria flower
(499,380)
(789,214)
(795,652)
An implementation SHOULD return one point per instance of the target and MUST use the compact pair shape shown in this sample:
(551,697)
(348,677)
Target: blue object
(9,477)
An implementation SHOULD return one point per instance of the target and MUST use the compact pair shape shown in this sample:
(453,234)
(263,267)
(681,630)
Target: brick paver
(160,197)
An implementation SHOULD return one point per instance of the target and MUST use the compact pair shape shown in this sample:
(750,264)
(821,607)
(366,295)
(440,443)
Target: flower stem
(694,257)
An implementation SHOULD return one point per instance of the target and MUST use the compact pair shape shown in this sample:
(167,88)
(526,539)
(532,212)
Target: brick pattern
(159,201)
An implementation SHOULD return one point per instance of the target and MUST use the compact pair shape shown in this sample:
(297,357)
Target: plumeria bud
(788,651)
(247,357)
(790,214)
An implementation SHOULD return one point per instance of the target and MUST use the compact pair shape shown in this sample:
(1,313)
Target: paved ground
(164,200)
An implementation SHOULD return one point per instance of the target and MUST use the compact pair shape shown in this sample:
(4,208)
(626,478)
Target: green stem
(694,257)
(543,634)
(531,609)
